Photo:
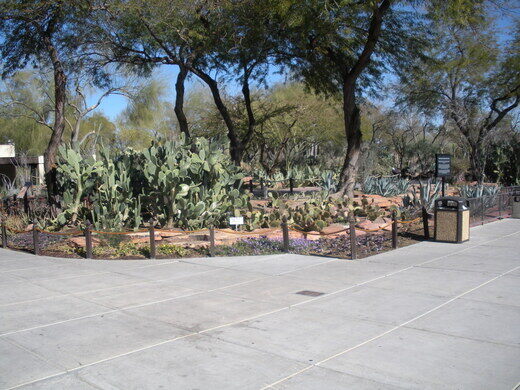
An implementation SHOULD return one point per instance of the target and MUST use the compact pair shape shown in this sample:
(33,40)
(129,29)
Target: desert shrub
(172,250)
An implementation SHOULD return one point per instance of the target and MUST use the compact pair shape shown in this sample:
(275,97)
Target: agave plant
(428,191)
(477,191)
(488,193)
(385,186)
(328,182)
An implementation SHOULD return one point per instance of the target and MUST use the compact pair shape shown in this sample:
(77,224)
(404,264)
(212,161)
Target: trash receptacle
(451,219)
(516,205)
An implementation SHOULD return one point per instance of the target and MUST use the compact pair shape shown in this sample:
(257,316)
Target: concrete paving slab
(8,254)
(475,320)
(432,281)
(77,343)
(218,279)
(281,289)
(19,366)
(374,304)
(137,294)
(504,291)
(27,315)
(512,242)
(496,263)
(347,272)
(231,261)
(322,378)
(13,265)
(281,264)
(116,265)
(64,381)
(197,362)
(301,334)
(167,271)
(84,283)
(56,271)
(24,291)
(416,359)
(6,280)
(203,311)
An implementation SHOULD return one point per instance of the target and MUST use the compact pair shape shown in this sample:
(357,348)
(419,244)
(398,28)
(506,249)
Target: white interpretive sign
(236,221)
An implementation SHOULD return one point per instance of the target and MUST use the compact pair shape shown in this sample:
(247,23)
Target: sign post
(443,167)
(236,221)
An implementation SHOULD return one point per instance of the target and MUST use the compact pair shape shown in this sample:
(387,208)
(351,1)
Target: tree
(217,41)
(148,116)
(80,109)
(469,82)
(141,35)
(299,121)
(342,48)
(41,33)
(96,129)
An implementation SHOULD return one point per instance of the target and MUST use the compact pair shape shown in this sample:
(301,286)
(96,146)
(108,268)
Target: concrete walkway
(429,316)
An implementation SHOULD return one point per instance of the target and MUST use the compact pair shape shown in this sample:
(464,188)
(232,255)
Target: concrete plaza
(428,316)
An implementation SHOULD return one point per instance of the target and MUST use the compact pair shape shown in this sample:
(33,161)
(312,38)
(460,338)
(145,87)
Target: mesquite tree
(344,48)
(469,80)
(42,34)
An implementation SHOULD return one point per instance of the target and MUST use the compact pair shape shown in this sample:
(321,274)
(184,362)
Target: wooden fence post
(394,230)
(4,234)
(291,185)
(482,207)
(152,238)
(212,241)
(425,223)
(36,240)
(352,234)
(285,233)
(26,205)
(88,240)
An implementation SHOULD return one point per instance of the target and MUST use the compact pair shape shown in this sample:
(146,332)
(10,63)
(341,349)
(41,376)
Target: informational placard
(442,165)
(236,221)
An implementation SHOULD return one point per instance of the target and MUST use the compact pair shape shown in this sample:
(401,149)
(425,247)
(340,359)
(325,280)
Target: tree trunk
(60,96)
(354,138)
(476,162)
(236,149)
(74,138)
(179,101)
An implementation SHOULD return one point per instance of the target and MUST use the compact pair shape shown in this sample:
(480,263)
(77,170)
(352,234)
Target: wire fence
(492,207)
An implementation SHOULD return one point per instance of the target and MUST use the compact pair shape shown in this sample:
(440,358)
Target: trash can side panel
(465,225)
(516,207)
(446,226)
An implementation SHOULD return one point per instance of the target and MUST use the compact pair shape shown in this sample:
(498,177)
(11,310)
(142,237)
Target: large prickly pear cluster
(179,183)
(192,185)
(98,190)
